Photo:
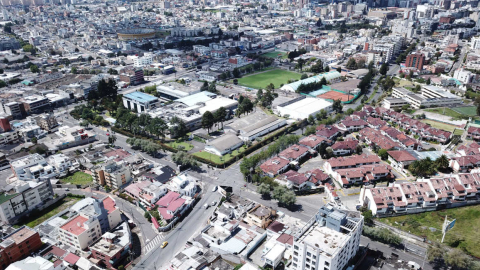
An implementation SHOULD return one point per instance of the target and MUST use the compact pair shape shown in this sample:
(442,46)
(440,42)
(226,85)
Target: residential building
(61,163)
(132,76)
(334,164)
(68,137)
(366,174)
(112,174)
(143,61)
(47,121)
(9,137)
(113,246)
(172,205)
(18,245)
(15,109)
(37,263)
(92,218)
(140,102)
(274,166)
(342,148)
(32,167)
(328,241)
(35,104)
(24,197)
(260,216)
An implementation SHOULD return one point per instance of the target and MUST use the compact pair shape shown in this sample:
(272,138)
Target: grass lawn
(276,76)
(440,125)
(458,132)
(465,234)
(403,83)
(78,178)
(218,159)
(445,111)
(186,146)
(470,111)
(275,54)
(49,212)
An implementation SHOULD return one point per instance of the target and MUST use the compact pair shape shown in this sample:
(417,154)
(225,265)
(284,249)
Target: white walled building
(32,167)
(60,162)
(328,241)
(464,76)
(143,61)
(25,196)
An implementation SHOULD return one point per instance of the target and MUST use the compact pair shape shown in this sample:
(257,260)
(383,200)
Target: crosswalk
(153,243)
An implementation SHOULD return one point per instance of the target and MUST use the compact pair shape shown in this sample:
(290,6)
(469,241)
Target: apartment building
(9,137)
(32,167)
(92,219)
(113,246)
(18,245)
(35,103)
(415,60)
(132,76)
(334,164)
(260,216)
(47,121)
(24,197)
(112,174)
(15,109)
(328,241)
(61,163)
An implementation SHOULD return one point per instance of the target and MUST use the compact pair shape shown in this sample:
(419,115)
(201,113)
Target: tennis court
(470,110)
(334,95)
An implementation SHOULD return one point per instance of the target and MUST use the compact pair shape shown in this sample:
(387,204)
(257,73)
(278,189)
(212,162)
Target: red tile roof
(274,165)
(293,152)
(402,155)
(71,258)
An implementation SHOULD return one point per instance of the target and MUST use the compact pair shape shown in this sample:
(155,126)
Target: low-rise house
(294,153)
(334,164)
(366,174)
(32,167)
(294,179)
(260,216)
(351,124)
(383,200)
(274,166)
(328,132)
(172,205)
(343,148)
(377,138)
(375,123)
(313,141)
(473,133)
(400,160)
(465,163)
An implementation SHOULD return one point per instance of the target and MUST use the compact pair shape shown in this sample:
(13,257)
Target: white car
(206,206)
(214,203)
(214,189)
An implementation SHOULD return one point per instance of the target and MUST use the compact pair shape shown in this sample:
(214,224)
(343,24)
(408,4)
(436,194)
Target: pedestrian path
(153,243)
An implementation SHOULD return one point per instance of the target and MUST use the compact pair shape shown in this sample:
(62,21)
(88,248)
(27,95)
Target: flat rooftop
(141,97)
(324,238)
(308,105)
(75,226)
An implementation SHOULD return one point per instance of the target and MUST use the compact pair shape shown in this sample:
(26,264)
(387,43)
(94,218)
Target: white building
(25,196)
(140,102)
(143,61)
(36,263)
(9,137)
(224,144)
(60,162)
(430,96)
(464,76)
(32,167)
(475,43)
(303,107)
(328,241)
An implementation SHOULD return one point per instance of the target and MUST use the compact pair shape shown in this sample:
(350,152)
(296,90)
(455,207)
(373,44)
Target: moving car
(164,244)
(214,189)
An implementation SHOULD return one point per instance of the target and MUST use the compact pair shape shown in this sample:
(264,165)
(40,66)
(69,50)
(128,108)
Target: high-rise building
(415,60)
(328,241)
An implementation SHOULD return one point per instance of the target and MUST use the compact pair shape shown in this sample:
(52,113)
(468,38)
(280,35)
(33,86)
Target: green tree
(278,192)
(383,154)
(236,73)
(288,198)
(34,69)
(384,69)
(264,190)
(112,139)
(73,70)
(304,76)
(442,162)
(337,105)
(178,128)
(208,120)
(34,140)
(351,64)
(300,63)
(220,115)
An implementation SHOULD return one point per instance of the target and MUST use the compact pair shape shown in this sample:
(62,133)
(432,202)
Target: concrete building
(331,77)
(35,103)
(92,218)
(37,263)
(260,216)
(67,137)
(254,125)
(112,174)
(430,96)
(328,241)
(464,76)
(415,60)
(24,197)
(140,102)
(9,137)
(224,144)
(113,246)
(61,163)
(132,76)
(15,109)
(46,121)
(32,167)
(17,246)
(303,107)
(143,61)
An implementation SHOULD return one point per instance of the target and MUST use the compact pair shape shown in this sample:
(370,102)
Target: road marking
(154,242)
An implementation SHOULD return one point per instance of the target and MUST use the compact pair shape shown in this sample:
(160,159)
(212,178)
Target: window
(295,253)
(295,247)
(309,254)
(295,259)
(314,257)
(327,263)
(308,260)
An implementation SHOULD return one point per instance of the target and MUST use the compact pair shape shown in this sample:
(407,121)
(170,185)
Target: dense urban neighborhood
(239,135)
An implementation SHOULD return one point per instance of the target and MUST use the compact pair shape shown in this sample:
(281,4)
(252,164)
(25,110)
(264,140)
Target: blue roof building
(140,102)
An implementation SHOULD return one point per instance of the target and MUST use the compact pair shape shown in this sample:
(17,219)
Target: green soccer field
(276,76)
(275,54)
(470,111)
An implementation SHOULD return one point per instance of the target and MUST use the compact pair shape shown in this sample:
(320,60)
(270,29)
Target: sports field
(334,95)
(440,125)
(276,76)
(464,234)
(469,111)
(275,54)
(445,111)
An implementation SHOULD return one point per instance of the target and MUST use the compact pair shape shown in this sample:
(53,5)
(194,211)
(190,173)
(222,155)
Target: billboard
(447,226)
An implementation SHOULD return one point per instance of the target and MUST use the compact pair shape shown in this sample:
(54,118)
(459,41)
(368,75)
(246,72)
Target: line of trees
(184,159)
(144,145)
(426,167)
(141,125)
(382,235)
(309,87)
(283,195)
(293,54)
(454,258)
(265,99)
(212,87)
